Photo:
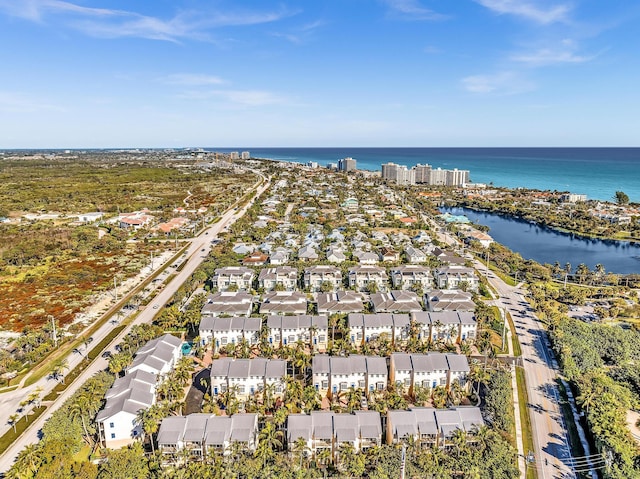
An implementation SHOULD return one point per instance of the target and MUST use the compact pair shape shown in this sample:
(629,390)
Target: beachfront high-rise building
(424,174)
(347,164)
(245,155)
(234,155)
(398,173)
(457,177)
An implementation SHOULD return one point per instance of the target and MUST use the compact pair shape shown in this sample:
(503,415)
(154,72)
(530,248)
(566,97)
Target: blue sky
(176,73)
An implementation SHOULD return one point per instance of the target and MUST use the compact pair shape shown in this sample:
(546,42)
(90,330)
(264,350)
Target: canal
(545,245)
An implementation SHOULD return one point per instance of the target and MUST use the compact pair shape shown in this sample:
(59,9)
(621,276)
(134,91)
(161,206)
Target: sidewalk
(516,407)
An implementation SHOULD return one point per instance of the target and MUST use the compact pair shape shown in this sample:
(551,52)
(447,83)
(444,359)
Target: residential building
(340,302)
(411,276)
(204,434)
(284,302)
(396,301)
(335,255)
(456,277)
(283,277)
(389,255)
(321,277)
(247,376)
(326,430)
(415,255)
(432,427)
(117,421)
(360,278)
(221,332)
(255,259)
(158,356)
(429,370)
(449,300)
(334,374)
(347,164)
(229,303)
(308,253)
(366,257)
(238,276)
(288,330)
(446,326)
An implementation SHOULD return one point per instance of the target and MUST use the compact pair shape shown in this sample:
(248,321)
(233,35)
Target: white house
(231,303)
(429,370)
(315,277)
(449,300)
(410,276)
(340,302)
(284,302)
(202,434)
(239,276)
(158,356)
(229,331)
(360,277)
(288,330)
(247,376)
(447,326)
(415,255)
(117,422)
(396,301)
(282,277)
(455,276)
(333,374)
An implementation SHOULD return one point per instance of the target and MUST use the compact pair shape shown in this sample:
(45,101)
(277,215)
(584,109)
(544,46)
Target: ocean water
(596,172)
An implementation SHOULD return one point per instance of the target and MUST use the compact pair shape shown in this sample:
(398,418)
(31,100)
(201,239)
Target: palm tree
(270,441)
(300,449)
(59,367)
(27,463)
(439,397)
(13,420)
(148,419)
(80,408)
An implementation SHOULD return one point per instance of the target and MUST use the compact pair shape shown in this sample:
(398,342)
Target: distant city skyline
(394,73)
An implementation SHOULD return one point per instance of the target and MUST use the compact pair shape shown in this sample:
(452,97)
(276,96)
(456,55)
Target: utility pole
(504,327)
(151,253)
(404,460)
(115,289)
(54,335)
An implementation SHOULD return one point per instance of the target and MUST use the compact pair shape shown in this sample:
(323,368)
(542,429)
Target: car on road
(155,306)
(107,354)
(89,339)
(202,249)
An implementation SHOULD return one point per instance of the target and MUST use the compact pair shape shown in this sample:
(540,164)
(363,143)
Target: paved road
(551,451)
(195,254)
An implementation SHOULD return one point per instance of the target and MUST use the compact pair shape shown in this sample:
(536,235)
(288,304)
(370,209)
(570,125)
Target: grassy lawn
(574,439)
(525,420)
(517,351)
(11,435)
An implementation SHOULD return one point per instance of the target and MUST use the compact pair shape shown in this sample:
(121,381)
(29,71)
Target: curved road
(195,254)
(552,455)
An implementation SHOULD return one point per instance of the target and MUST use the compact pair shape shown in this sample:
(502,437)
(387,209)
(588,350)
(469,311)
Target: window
(322,338)
(380,386)
(407,382)
(111,425)
(113,436)
(344,386)
(223,340)
(361,383)
(443,381)
(325,384)
(241,389)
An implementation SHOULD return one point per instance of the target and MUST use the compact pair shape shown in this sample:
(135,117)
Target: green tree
(621,198)
(125,463)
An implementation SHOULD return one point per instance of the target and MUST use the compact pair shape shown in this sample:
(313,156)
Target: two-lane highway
(195,255)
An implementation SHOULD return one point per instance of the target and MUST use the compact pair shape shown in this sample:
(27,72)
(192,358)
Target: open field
(55,267)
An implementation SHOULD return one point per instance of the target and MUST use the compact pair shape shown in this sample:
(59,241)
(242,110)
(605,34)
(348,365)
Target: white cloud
(547,56)
(106,23)
(528,10)
(412,10)
(301,34)
(502,83)
(193,79)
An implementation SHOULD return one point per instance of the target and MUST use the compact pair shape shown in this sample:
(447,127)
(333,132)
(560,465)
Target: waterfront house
(429,370)
(158,356)
(334,374)
(447,326)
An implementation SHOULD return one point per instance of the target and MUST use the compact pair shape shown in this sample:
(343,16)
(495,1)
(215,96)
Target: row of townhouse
(196,436)
(333,374)
(247,376)
(117,422)
(200,435)
(428,370)
(361,277)
(329,431)
(241,303)
(312,330)
(223,331)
